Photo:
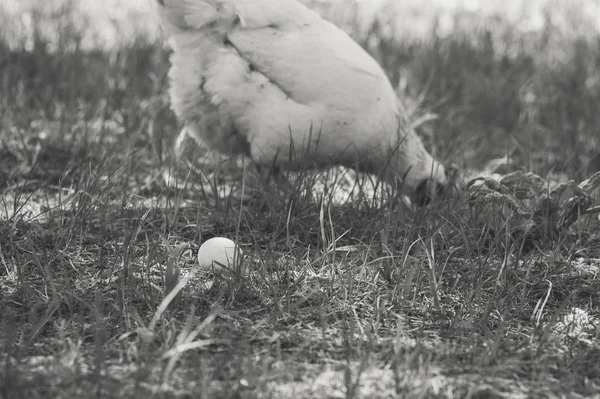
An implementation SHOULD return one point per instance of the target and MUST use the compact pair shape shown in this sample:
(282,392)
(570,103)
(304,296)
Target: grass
(344,299)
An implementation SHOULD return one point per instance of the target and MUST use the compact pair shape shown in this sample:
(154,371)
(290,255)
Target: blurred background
(112,22)
(491,78)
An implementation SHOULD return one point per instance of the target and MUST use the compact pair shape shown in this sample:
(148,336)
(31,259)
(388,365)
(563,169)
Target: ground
(346,296)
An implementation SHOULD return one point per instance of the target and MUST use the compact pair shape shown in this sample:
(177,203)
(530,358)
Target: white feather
(273,80)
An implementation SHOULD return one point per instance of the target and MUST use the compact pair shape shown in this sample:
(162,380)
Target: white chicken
(273,80)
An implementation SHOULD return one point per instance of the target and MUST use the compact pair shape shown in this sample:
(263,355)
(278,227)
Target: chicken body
(273,80)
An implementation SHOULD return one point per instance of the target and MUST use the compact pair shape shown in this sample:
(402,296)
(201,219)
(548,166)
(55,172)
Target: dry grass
(345,299)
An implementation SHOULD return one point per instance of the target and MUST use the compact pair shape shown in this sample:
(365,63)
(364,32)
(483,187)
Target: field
(493,292)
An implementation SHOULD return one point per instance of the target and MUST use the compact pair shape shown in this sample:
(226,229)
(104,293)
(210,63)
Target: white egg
(218,253)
